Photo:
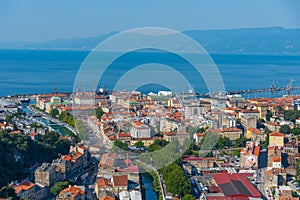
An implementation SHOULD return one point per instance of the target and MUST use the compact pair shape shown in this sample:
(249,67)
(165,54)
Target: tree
(99,113)
(237,152)
(222,142)
(260,123)
(176,181)
(121,145)
(298,170)
(285,129)
(188,197)
(269,115)
(53,112)
(59,186)
(240,142)
(295,131)
(8,193)
(139,144)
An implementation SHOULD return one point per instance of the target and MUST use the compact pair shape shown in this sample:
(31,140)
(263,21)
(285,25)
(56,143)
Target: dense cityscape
(96,145)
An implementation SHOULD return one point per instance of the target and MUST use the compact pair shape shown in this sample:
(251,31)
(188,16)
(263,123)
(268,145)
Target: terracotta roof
(107,198)
(104,182)
(74,190)
(277,159)
(256,150)
(269,172)
(276,134)
(236,184)
(233,129)
(176,133)
(200,134)
(24,186)
(120,180)
(67,157)
(130,169)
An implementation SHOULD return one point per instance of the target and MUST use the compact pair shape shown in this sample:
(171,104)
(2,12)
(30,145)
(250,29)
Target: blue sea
(36,71)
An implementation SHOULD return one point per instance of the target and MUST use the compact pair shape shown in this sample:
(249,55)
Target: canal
(149,193)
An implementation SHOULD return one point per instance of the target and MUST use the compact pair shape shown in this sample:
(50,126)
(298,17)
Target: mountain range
(272,40)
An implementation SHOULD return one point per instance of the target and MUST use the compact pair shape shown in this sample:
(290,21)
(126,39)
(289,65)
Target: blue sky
(41,20)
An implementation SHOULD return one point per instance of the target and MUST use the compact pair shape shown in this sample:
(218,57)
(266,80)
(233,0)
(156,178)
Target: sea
(39,71)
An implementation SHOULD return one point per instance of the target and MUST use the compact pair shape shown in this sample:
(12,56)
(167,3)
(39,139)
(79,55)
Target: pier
(288,90)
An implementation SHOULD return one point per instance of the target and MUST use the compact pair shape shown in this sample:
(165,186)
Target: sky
(42,20)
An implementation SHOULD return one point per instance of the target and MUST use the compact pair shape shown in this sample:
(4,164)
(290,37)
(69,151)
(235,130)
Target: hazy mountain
(274,40)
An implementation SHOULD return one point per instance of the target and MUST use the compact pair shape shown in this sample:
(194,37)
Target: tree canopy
(59,186)
(54,112)
(121,145)
(19,152)
(176,181)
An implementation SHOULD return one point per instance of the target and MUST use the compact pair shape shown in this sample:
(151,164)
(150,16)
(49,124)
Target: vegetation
(222,142)
(8,193)
(121,145)
(176,181)
(285,129)
(166,155)
(240,142)
(157,145)
(260,123)
(99,113)
(237,152)
(291,115)
(19,152)
(59,186)
(54,112)
(70,120)
(269,115)
(139,144)
(295,194)
(67,118)
(188,197)
(298,170)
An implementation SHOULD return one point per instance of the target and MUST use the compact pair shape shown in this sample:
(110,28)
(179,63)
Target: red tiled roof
(276,134)
(74,190)
(120,180)
(104,182)
(277,159)
(24,186)
(232,182)
(107,198)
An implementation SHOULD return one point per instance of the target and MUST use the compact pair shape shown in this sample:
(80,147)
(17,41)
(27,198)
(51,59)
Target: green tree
(269,115)
(176,181)
(139,144)
(54,112)
(8,193)
(298,170)
(121,145)
(240,142)
(222,142)
(157,145)
(99,113)
(285,129)
(260,123)
(188,197)
(59,186)
(295,131)
(237,152)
